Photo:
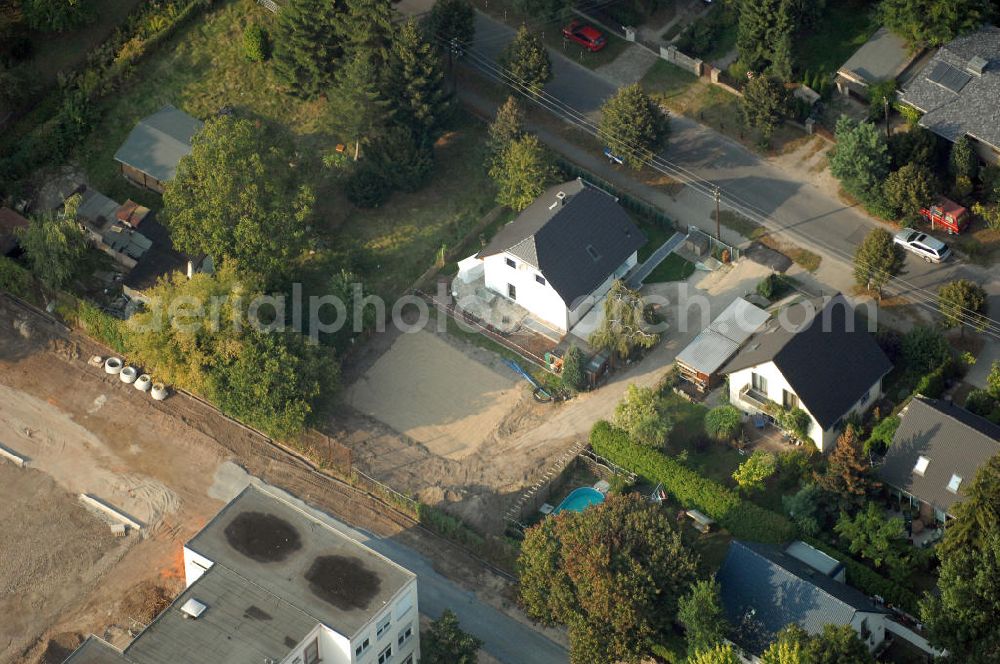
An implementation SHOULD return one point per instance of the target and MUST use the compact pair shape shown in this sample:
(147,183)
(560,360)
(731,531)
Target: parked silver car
(929,248)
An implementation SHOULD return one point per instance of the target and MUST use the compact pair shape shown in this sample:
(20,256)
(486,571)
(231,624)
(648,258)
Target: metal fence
(716,246)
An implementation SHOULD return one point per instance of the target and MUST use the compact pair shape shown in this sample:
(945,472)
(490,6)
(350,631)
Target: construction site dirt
(64,574)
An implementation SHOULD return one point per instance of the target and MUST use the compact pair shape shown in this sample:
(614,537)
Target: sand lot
(450,403)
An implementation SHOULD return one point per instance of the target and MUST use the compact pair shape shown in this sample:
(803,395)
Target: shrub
(256,44)
(882,434)
(14,278)
(366,188)
(981,402)
(742,518)
(924,348)
(103,327)
(723,422)
(773,286)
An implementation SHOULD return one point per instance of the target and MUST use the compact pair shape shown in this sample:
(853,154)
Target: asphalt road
(792,207)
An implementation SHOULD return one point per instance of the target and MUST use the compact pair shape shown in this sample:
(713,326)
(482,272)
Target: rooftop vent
(921,466)
(977,65)
(593,252)
(955,482)
(193,609)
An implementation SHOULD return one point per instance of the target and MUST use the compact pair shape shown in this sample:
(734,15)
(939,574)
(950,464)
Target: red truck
(946,214)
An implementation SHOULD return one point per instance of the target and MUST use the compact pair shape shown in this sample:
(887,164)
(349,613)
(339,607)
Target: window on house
(385,655)
(511,291)
(404,635)
(759,383)
(789,400)
(540,279)
(408,660)
(363,647)
(311,653)
(921,466)
(955,482)
(511,263)
(865,631)
(382,627)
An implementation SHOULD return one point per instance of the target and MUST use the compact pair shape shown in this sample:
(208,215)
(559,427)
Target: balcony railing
(755,398)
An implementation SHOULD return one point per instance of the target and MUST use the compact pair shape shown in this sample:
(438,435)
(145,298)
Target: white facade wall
(876,627)
(541,299)
(824,439)
(194,566)
(401,613)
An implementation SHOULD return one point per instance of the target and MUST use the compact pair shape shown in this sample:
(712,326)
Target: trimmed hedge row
(871,582)
(743,519)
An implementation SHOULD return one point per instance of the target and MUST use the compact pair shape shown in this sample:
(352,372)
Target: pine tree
(416,82)
(359,110)
(507,127)
(522,173)
(451,20)
(962,162)
(527,60)
(307,47)
(366,25)
(846,476)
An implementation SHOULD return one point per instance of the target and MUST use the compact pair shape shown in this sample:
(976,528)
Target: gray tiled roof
(956,442)
(158,142)
(763,589)
(975,109)
(829,366)
(554,238)
(881,58)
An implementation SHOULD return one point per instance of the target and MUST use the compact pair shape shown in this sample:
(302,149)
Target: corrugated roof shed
(968,104)
(956,443)
(723,337)
(763,589)
(576,242)
(156,145)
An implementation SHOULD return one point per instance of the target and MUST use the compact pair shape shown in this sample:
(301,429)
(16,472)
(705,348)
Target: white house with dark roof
(814,356)
(935,454)
(559,257)
(958,91)
(268,581)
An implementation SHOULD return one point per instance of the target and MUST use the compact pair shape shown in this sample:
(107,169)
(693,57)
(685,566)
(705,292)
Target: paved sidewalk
(657,257)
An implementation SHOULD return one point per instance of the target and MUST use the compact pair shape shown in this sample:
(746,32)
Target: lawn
(846,25)
(664,81)
(202,68)
(673,268)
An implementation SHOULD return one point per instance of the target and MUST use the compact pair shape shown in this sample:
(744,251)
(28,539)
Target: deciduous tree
(444,642)
(924,349)
(548,9)
(723,422)
(640,414)
(623,329)
(803,508)
(925,23)
(861,159)
(700,612)
(909,189)
(846,478)
(57,15)
(917,146)
(527,61)
(877,260)
(507,127)
(612,573)
(764,105)
(633,125)
(837,644)
(308,46)
(962,302)
(236,199)
(870,534)
(522,173)
(753,472)
(573,375)
(789,648)
(54,246)
(719,654)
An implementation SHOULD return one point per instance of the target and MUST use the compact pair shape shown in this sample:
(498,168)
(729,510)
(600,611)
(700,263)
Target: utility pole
(718,215)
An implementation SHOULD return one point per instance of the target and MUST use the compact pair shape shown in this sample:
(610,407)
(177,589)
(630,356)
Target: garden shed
(150,154)
(701,360)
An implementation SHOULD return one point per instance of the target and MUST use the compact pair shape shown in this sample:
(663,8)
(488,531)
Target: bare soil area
(166,464)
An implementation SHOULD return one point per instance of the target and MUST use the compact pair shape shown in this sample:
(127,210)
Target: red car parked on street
(585,35)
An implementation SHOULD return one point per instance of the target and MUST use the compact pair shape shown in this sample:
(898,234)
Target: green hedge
(868,580)
(105,328)
(743,519)
(14,278)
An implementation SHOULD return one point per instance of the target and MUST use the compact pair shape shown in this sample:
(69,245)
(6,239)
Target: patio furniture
(759,421)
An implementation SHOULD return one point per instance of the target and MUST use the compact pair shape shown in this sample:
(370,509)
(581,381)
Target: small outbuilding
(700,361)
(150,154)
(882,58)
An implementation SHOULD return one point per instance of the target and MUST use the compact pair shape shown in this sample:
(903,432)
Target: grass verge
(673,268)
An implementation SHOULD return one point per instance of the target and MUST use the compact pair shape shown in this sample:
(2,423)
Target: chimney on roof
(977,65)
(561,197)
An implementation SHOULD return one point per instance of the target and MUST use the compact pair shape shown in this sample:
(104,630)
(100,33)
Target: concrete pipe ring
(113,365)
(159,391)
(128,375)
(143,383)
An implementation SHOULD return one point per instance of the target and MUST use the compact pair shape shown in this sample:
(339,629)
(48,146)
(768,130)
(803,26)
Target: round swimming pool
(580,499)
